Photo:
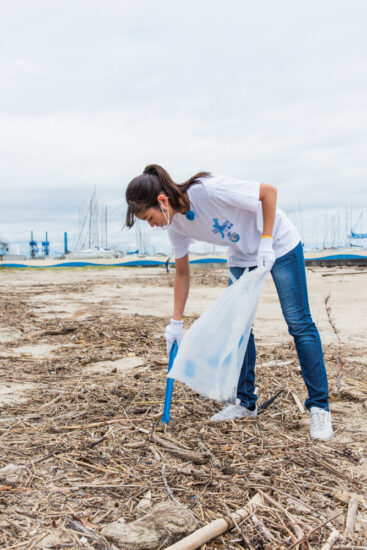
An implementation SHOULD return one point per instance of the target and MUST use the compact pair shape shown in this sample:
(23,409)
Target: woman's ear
(162,200)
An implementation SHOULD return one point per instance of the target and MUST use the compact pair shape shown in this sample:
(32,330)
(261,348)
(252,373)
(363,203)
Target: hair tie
(190,215)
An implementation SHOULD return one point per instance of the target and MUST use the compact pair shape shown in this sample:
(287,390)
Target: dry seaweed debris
(92,450)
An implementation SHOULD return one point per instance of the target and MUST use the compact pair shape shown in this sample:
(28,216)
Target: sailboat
(355,238)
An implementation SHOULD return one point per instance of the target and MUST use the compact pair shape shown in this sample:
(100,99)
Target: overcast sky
(92,91)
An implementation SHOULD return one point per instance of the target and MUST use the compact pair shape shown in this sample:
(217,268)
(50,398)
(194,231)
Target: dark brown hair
(142,192)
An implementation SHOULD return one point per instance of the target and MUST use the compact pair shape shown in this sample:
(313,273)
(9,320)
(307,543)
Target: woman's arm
(268,197)
(181,286)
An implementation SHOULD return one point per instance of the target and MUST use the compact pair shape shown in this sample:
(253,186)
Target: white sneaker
(321,427)
(231,412)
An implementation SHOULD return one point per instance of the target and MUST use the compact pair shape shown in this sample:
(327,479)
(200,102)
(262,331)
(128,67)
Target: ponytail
(142,192)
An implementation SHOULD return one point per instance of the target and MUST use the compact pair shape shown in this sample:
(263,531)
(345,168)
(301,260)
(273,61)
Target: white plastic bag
(210,356)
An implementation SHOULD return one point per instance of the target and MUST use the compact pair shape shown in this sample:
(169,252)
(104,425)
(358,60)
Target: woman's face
(154,216)
(161,216)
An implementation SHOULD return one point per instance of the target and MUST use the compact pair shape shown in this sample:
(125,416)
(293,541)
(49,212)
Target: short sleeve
(236,193)
(180,243)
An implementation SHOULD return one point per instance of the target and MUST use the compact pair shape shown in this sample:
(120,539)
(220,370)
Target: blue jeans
(289,275)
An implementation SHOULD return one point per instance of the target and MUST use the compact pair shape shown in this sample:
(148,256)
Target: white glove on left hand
(266,254)
(174,331)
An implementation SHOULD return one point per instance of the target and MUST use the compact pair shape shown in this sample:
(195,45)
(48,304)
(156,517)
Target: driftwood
(256,500)
(187,455)
(214,529)
(164,440)
(176,451)
(351,517)
(65,330)
(333,537)
(169,492)
(298,403)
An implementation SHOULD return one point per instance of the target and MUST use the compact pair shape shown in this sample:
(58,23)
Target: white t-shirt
(228,212)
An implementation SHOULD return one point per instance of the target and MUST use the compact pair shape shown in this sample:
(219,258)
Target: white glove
(266,254)
(174,331)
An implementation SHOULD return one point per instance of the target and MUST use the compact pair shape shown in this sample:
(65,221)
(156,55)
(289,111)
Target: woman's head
(155,197)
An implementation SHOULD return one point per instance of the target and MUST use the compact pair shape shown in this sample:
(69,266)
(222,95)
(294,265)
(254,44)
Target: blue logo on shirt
(225,230)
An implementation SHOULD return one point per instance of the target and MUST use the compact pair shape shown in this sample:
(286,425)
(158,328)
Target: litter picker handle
(169,385)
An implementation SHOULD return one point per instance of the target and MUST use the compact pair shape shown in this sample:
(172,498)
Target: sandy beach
(61,293)
(82,358)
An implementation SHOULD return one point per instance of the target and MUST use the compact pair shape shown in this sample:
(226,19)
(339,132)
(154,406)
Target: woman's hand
(174,332)
(266,254)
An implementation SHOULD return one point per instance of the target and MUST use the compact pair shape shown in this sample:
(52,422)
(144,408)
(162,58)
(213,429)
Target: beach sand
(80,346)
(62,293)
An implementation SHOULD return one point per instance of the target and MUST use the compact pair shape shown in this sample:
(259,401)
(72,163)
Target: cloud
(90,93)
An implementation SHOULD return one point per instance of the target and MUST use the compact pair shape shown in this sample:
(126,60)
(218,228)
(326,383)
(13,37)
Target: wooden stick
(333,537)
(92,424)
(298,403)
(351,516)
(185,454)
(258,499)
(349,547)
(170,494)
(91,466)
(198,474)
(333,470)
(78,486)
(136,445)
(37,539)
(165,438)
(262,529)
(213,529)
(52,402)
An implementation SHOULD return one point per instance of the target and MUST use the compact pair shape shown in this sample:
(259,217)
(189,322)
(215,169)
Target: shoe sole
(322,438)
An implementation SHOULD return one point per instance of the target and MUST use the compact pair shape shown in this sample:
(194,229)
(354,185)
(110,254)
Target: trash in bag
(211,354)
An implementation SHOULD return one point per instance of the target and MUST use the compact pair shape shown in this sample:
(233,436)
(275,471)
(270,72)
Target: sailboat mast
(105,220)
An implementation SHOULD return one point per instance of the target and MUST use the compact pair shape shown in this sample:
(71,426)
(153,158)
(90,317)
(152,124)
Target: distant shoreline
(328,257)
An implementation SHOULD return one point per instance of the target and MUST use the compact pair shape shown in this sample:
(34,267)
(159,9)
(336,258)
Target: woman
(242,215)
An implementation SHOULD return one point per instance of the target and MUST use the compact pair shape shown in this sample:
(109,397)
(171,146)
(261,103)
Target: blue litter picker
(169,386)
